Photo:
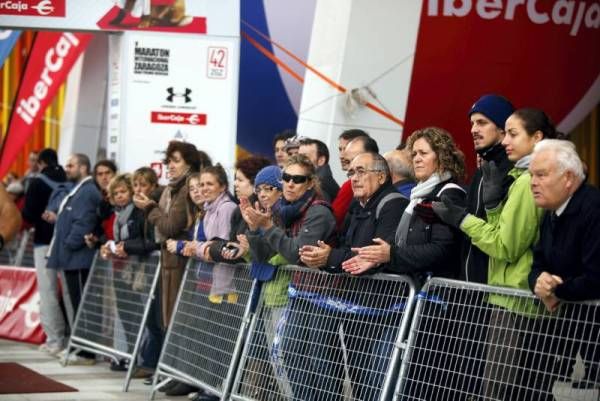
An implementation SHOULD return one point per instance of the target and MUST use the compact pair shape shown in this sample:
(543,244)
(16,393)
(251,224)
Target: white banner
(184,89)
(212,17)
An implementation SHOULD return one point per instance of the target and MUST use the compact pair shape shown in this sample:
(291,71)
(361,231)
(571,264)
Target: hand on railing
(105,252)
(315,256)
(232,251)
(120,250)
(357,265)
(379,253)
(545,286)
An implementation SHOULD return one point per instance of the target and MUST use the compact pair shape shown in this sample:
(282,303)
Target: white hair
(565,155)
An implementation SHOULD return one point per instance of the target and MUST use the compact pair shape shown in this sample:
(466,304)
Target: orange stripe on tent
(330,81)
(272,57)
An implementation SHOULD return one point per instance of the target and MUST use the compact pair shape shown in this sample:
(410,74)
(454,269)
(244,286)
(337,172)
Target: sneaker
(122,366)
(50,350)
(142,373)
(76,360)
(195,394)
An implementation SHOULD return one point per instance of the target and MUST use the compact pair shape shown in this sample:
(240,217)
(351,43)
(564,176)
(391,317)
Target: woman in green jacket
(507,237)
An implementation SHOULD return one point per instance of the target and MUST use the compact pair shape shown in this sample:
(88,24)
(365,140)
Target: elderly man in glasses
(374,213)
(566,260)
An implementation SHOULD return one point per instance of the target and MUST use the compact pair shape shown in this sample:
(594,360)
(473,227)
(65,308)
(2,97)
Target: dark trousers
(312,353)
(75,283)
(153,335)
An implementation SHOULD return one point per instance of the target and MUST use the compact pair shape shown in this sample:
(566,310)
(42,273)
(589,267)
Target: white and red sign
(50,60)
(166,96)
(181,16)
(166,117)
(40,8)
(217,62)
(20,305)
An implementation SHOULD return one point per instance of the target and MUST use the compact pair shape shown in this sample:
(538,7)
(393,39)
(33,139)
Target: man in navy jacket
(566,261)
(76,217)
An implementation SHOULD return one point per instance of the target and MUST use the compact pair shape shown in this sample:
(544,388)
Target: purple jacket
(217,220)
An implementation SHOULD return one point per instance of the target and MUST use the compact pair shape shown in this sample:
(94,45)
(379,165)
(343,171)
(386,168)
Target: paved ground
(93,382)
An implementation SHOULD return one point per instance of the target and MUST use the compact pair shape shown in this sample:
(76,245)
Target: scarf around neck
(289,212)
(120,227)
(420,191)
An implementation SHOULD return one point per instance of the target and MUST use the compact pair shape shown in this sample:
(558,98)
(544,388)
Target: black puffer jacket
(362,225)
(431,248)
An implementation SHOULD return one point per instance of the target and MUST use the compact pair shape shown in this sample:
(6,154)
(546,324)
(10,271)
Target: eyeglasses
(298,179)
(359,172)
(267,189)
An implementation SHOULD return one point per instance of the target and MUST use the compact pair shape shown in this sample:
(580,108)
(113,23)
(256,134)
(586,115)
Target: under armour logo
(173,94)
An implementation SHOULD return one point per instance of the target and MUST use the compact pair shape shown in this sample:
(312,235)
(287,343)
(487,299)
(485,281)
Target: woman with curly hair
(423,245)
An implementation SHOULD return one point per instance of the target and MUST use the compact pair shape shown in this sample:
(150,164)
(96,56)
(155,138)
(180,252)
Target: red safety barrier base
(20,305)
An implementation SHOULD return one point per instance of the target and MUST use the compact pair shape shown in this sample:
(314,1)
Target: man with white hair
(566,261)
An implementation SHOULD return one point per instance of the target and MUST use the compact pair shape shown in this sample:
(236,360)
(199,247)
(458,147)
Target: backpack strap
(386,199)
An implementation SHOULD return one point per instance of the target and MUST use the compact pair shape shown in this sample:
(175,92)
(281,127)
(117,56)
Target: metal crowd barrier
(19,251)
(208,327)
(321,336)
(476,342)
(114,307)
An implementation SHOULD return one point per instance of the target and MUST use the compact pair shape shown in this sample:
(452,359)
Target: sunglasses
(298,179)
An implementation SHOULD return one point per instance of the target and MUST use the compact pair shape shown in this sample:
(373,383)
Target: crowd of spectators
(527,220)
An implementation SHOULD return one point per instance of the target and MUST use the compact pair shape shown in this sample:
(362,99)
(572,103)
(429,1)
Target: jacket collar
(376,197)
(576,201)
(214,205)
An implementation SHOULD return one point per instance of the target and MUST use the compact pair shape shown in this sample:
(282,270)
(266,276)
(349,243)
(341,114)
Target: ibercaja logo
(39,8)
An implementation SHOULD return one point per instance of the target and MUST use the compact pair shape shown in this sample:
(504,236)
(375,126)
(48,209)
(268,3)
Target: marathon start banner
(20,305)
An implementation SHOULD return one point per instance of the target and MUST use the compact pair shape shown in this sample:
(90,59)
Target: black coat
(36,201)
(141,235)
(431,247)
(474,263)
(570,247)
(362,226)
(329,186)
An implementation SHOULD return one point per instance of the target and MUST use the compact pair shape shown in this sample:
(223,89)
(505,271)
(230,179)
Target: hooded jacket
(36,200)
(508,237)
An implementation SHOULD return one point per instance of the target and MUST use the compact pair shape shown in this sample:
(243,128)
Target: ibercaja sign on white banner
(184,89)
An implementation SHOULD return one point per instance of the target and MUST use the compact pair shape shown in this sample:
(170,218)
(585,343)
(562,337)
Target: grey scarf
(420,191)
(120,227)
(523,162)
